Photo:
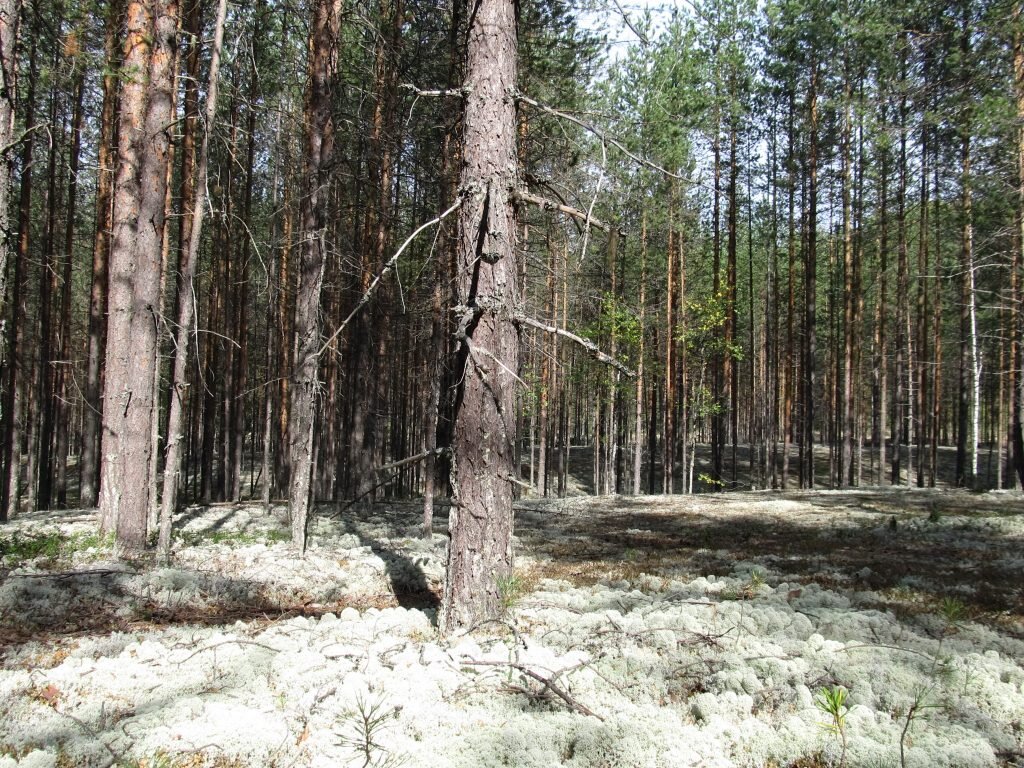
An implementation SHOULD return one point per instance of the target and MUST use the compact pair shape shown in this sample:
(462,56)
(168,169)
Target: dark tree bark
(484,471)
(789,368)
(63,429)
(1017,380)
(732,384)
(810,284)
(846,469)
(8,94)
(319,150)
(96,344)
(900,373)
(10,484)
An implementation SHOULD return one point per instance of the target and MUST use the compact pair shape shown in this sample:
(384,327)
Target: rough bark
(846,475)
(1017,380)
(789,368)
(639,414)
(319,149)
(900,373)
(146,109)
(810,286)
(10,492)
(484,471)
(8,81)
(61,386)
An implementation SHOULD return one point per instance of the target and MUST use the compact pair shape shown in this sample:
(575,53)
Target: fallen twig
(230,642)
(549,683)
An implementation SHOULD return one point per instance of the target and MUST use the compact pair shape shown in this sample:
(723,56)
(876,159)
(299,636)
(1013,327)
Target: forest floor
(640,631)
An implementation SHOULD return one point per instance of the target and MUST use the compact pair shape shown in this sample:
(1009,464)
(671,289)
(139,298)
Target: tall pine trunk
(319,151)
(186,303)
(97,335)
(1016,432)
(484,471)
(146,109)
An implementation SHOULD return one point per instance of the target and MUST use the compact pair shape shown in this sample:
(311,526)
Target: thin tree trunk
(900,398)
(846,469)
(638,417)
(1016,356)
(41,418)
(183,343)
(731,363)
(319,151)
(274,339)
(936,320)
(921,427)
(788,378)
(63,427)
(8,102)
(10,485)
(96,345)
(810,283)
(880,379)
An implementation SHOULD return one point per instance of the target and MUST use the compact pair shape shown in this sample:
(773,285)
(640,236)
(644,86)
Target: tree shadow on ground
(52,604)
(46,607)
(890,541)
(406,575)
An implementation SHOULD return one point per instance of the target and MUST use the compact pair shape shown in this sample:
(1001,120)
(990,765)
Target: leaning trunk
(186,314)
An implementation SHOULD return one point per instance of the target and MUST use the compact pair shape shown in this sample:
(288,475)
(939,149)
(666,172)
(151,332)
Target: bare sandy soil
(640,631)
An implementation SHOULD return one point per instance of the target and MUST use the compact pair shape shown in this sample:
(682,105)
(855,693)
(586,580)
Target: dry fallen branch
(70,574)
(230,642)
(549,683)
(117,759)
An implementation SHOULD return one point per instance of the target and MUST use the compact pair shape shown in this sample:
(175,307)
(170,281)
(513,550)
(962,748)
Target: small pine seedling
(832,701)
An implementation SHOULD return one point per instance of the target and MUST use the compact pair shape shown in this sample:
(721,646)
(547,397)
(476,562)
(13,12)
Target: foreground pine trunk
(8,34)
(319,148)
(484,471)
(146,109)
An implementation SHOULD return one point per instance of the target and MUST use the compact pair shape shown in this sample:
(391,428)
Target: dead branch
(549,683)
(388,468)
(550,205)
(590,346)
(468,315)
(229,642)
(603,136)
(118,759)
(460,92)
(632,27)
(24,135)
(388,267)
(70,574)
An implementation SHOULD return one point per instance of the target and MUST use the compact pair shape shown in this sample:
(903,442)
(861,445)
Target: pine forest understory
(793,231)
(511,382)
(336,253)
